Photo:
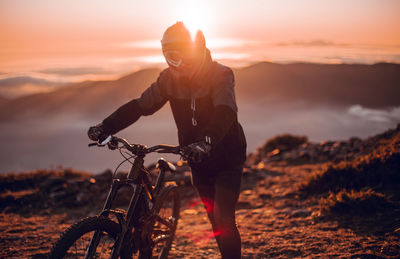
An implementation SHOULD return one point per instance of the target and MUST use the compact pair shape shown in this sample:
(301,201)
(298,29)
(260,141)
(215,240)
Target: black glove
(196,152)
(96,133)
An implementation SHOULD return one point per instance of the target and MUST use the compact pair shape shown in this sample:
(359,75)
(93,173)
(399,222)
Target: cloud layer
(13,87)
(376,115)
(75,71)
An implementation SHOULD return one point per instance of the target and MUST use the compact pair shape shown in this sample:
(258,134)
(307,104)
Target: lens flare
(196,16)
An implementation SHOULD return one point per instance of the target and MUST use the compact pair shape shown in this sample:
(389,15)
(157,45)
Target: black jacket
(205,106)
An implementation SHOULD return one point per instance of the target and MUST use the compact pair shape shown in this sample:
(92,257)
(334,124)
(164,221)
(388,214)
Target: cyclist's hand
(96,133)
(196,152)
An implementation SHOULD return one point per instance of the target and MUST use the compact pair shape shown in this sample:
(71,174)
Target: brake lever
(102,144)
(95,144)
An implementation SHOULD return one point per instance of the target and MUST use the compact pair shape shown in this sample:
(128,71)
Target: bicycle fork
(124,223)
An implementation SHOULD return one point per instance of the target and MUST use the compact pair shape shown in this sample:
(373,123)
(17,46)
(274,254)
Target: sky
(72,40)
(47,44)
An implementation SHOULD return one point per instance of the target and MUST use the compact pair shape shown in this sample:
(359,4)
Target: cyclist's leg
(207,193)
(227,190)
(206,190)
(219,193)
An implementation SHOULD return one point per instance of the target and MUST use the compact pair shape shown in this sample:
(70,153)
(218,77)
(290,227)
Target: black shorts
(229,178)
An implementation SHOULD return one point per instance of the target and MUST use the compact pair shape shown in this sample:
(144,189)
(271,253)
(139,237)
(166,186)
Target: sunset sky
(71,39)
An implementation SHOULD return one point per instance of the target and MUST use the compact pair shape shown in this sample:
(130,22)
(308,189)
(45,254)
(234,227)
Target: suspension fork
(133,181)
(94,242)
(116,185)
(126,224)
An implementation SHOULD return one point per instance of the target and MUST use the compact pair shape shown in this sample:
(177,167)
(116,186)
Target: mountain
(85,99)
(375,86)
(3,100)
(13,87)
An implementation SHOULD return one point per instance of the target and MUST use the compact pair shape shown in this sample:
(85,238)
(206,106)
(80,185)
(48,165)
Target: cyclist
(201,95)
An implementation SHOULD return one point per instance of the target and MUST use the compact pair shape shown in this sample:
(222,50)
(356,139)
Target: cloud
(13,87)
(75,71)
(377,115)
(142,44)
(311,43)
(20,80)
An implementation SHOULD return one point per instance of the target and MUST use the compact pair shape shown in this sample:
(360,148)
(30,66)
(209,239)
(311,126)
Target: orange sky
(70,32)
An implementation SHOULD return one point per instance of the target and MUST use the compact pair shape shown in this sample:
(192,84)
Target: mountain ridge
(374,86)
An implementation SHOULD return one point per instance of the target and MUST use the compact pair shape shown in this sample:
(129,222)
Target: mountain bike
(147,227)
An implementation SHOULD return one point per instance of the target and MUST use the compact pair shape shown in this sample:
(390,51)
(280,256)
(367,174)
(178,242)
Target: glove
(96,133)
(197,151)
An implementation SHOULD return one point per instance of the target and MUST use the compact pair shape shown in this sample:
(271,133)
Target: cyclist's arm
(149,102)
(225,109)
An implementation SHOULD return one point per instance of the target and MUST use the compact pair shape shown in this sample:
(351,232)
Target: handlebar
(137,149)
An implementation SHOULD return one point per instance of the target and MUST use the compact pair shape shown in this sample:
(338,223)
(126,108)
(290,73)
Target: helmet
(178,47)
(176,34)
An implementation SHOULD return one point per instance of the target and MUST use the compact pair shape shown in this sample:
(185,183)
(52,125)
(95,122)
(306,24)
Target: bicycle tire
(166,209)
(83,231)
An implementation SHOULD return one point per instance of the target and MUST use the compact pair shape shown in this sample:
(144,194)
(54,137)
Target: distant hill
(374,86)
(3,100)
(86,98)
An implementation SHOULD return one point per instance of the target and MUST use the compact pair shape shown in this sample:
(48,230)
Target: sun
(196,16)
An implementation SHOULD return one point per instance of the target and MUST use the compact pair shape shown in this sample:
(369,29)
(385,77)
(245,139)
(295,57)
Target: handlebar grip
(92,144)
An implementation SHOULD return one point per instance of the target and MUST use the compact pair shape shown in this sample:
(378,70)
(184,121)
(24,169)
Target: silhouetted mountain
(3,100)
(17,86)
(374,86)
(84,99)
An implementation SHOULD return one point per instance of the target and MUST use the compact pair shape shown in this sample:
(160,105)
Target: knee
(224,220)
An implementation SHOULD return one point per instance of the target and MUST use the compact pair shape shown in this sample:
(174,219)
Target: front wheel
(164,224)
(74,242)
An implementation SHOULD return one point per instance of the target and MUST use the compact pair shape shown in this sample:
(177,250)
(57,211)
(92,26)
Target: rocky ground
(280,214)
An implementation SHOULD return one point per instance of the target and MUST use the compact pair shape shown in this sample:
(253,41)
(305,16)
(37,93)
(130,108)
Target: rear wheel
(164,224)
(75,240)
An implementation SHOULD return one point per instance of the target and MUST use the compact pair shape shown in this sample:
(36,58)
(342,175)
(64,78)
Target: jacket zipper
(193,107)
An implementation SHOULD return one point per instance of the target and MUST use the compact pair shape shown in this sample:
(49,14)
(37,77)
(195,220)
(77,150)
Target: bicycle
(146,227)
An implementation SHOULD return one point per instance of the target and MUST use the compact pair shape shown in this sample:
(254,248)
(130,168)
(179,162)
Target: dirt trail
(274,223)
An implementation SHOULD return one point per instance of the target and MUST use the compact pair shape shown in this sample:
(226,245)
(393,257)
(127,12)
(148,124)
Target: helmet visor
(174,58)
(179,60)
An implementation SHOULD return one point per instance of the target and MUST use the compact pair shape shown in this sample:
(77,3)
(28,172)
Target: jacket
(203,107)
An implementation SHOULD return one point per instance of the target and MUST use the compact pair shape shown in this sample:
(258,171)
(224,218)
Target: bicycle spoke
(75,241)
(165,221)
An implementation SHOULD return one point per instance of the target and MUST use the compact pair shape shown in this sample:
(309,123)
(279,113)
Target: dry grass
(284,142)
(355,202)
(43,190)
(378,170)
(362,194)
(30,180)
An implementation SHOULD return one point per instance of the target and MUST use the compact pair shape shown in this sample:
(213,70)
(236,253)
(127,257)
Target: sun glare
(196,16)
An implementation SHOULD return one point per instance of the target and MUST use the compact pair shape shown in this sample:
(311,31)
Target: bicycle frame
(138,181)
